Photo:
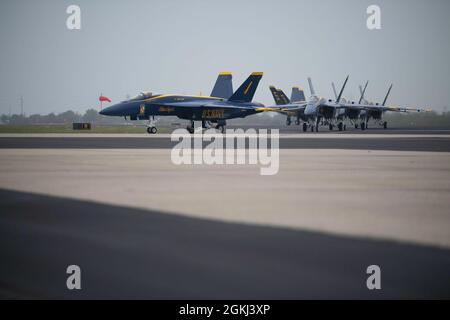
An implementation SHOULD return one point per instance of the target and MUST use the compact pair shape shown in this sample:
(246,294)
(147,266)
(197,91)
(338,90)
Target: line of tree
(427,119)
(67,117)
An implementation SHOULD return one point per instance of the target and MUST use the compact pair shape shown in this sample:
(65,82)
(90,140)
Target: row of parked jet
(224,103)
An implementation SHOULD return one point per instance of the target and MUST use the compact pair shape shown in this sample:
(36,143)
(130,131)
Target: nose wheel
(152,130)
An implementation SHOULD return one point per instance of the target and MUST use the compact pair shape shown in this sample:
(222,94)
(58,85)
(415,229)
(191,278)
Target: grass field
(68,129)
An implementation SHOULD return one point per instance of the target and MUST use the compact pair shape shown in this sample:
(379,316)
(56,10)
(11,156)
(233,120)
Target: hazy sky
(179,47)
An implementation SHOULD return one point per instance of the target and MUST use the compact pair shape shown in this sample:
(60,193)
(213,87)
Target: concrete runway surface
(131,253)
(140,226)
(403,142)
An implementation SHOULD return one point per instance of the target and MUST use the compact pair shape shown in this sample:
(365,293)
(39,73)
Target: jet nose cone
(107,111)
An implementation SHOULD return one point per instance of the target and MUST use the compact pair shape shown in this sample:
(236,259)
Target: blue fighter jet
(211,110)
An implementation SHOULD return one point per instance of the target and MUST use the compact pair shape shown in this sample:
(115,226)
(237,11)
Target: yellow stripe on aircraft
(248,88)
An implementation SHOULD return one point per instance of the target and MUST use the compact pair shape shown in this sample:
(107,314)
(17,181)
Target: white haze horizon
(125,47)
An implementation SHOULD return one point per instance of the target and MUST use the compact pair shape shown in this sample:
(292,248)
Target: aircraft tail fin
(311,88)
(342,90)
(246,91)
(224,86)
(334,90)
(297,95)
(363,91)
(279,96)
(387,95)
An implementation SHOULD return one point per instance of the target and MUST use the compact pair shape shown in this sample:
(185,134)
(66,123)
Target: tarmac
(140,226)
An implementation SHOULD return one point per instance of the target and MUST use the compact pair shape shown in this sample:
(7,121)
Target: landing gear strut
(305,126)
(191,128)
(151,128)
(317,125)
(220,128)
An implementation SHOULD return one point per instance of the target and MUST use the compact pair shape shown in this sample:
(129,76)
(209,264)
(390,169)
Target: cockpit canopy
(142,96)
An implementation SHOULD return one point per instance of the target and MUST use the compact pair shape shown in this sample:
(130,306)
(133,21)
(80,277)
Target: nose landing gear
(152,130)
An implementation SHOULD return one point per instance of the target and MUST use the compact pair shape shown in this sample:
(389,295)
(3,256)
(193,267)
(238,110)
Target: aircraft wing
(195,104)
(290,107)
(406,109)
(381,108)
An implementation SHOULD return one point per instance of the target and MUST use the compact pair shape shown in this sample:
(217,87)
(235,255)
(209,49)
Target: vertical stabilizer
(387,95)
(311,88)
(363,92)
(279,96)
(342,90)
(334,90)
(297,95)
(246,91)
(224,86)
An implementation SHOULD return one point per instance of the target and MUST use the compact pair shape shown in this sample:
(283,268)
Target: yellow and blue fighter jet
(214,109)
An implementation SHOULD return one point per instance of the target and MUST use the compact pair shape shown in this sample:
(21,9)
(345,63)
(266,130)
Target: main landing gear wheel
(345,127)
(356,126)
(385,125)
(220,128)
(190,129)
(288,121)
(152,130)
(363,126)
(331,127)
(340,126)
(305,126)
